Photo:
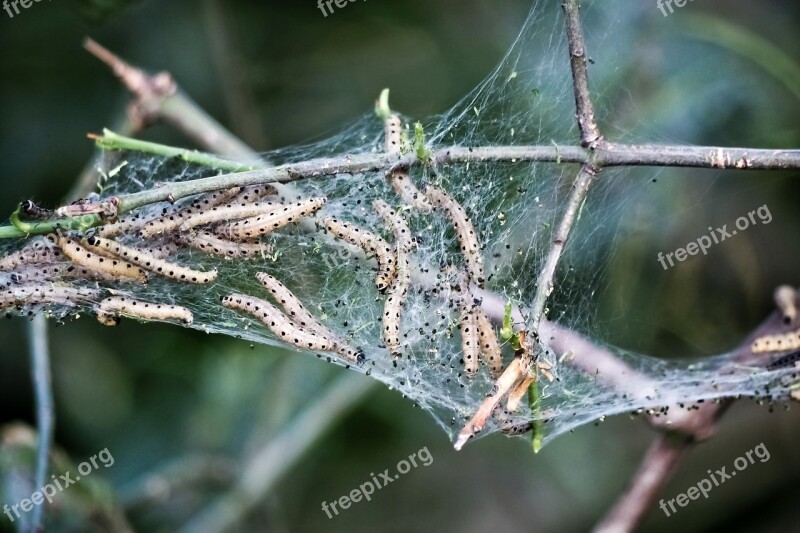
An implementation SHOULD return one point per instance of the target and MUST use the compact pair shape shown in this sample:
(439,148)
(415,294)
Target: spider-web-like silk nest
(527,100)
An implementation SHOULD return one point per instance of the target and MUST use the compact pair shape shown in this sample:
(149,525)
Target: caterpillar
(298,314)
(393,134)
(34,211)
(55,271)
(470,343)
(490,346)
(110,310)
(209,243)
(370,243)
(148,261)
(228,212)
(278,323)
(40,251)
(786,299)
(470,247)
(273,220)
(786,360)
(402,234)
(172,221)
(396,295)
(777,343)
(253,193)
(408,192)
(127,224)
(46,293)
(115,268)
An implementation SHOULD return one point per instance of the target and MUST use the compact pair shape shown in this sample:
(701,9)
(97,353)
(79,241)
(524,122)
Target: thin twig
(544,284)
(590,133)
(281,453)
(158,97)
(45,414)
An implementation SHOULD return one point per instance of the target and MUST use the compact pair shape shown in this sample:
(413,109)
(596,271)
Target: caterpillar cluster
(231,224)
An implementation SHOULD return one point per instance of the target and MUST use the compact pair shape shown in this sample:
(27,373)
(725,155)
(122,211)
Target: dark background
(282,74)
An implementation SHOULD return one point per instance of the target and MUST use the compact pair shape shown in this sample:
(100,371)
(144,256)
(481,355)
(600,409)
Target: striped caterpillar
(298,314)
(46,293)
(269,221)
(172,221)
(370,243)
(110,310)
(396,295)
(115,268)
(777,343)
(151,263)
(467,237)
(278,323)
(40,251)
(209,243)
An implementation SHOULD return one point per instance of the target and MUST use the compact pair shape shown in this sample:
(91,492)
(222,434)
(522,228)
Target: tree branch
(45,417)
(590,133)
(158,97)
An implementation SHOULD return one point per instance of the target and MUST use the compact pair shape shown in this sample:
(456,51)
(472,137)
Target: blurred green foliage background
(278,74)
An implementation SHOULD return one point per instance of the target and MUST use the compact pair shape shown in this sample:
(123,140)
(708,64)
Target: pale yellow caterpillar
(370,243)
(490,345)
(470,342)
(253,193)
(46,293)
(403,238)
(786,299)
(228,212)
(55,271)
(116,268)
(172,221)
(151,263)
(411,196)
(40,251)
(396,295)
(470,247)
(777,343)
(298,314)
(272,220)
(393,134)
(211,244)
(278,323)
(131,223)
(110,310)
